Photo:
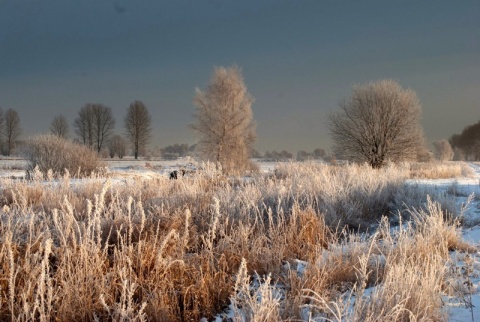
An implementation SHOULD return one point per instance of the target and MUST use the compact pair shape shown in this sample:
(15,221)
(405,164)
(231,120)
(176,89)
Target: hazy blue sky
(299,58)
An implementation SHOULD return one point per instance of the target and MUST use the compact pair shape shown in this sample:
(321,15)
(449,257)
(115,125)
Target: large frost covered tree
(224,124)
(379,122)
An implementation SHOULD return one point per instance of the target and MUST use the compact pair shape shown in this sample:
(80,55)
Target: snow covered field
(461,304)
(466,266)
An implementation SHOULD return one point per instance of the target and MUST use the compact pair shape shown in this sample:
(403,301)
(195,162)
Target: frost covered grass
(440,170)
(290,244)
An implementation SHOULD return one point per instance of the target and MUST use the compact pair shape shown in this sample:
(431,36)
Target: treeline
(466,145)
(95,123)
(177,150)
(317,154)
(93,127)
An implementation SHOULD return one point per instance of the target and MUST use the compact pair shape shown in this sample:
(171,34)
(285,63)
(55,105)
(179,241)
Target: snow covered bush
(50,152)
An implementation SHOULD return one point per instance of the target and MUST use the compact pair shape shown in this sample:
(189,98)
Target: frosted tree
(379,122)
(224,125)
(138,126)
(59,126)
(443,150)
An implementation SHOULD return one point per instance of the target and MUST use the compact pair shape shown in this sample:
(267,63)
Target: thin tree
(59,126)
(12,130)
(104,123)
(138,126)
(84,125)
(379,122)
(94,125)
(224,124)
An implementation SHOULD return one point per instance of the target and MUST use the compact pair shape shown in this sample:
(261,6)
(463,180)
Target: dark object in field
(174,174)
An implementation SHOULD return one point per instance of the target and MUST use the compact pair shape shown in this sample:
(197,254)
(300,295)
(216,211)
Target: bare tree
(94,125)
(224,126)
(379,122)
(59,126)
(443,150)
(138,126)
(12,130)
(117,146)
(84,125)
(103,126)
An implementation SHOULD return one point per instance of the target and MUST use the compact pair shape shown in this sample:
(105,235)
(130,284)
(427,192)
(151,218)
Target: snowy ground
(128,167)
(466,266)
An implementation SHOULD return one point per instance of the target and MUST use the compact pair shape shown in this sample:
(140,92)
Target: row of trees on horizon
(379,122)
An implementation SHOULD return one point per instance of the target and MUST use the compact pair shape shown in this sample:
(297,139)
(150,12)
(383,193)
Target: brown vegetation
(177,250)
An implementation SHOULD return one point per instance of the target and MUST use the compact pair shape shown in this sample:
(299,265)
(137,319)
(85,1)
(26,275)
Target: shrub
(49,152)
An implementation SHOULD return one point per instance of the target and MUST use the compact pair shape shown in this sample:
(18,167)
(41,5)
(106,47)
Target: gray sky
(299,58)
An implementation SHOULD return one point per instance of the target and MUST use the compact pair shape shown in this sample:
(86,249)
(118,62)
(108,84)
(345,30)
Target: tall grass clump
(355,195)
(409,266)
(439,170)
(50,152)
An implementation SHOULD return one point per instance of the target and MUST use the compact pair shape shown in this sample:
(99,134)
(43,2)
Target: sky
(299,59)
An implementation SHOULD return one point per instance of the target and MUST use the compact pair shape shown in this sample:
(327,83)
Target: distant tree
(12,130)
(224,123)
(278,156)
(138,126)
(104,124)
(84,125)
(319,153)
(59,126)
(302,155)
(175,151)
(286,155)
(255,154)
(379,122)
(468,141)
(94,125)
(117,146)
(443,150)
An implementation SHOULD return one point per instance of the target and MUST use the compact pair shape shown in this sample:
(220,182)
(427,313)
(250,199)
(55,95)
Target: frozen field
(461,194)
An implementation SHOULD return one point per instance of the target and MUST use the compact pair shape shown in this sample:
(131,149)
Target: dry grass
(440,170)
(273,247)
